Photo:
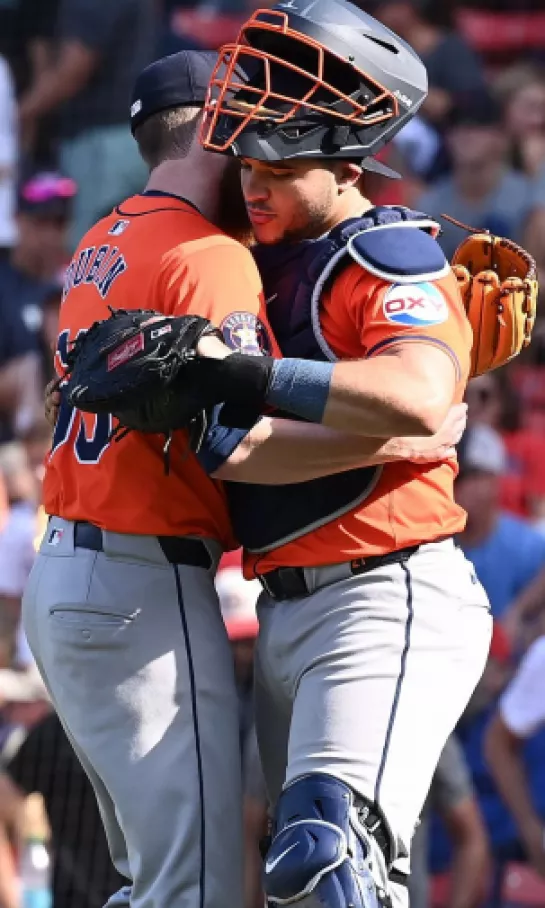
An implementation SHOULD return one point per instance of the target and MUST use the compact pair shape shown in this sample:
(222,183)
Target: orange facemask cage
(224,85)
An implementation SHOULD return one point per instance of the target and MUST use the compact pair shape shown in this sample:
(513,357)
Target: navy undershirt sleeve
(219,443)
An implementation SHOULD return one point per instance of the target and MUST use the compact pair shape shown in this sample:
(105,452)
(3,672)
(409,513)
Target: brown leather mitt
(498,283)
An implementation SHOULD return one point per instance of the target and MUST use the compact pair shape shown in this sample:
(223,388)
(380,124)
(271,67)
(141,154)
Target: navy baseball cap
(179,80)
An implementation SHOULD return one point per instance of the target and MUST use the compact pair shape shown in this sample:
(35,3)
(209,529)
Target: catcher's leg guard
(323,855)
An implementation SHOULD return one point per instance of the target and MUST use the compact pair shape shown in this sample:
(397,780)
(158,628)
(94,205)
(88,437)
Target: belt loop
(265,585)
(215,551)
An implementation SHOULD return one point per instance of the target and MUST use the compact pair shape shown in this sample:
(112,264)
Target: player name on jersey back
(100,266)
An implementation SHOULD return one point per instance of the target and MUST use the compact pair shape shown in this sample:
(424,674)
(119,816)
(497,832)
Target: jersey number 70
(88,448)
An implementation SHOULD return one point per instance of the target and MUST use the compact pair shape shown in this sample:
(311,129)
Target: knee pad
(322,854)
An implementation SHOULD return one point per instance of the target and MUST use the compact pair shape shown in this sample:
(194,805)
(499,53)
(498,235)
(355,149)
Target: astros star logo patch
(245,333)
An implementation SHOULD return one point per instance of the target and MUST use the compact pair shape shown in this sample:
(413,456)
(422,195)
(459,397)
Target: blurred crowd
(475,152)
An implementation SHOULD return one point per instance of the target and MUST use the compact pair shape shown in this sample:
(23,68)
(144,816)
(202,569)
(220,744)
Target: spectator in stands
(508,553)
(20,682)
(534,236)
(27,280)
(17,538)
(482,191)
(46,201)
(8,160)
(502,832)
(503,30)
(497,673)
(49,334)
(171,40)
(25,28)
(419,144)
(83,874)
(454,68)
(521,92)
(493,401)
(452,797)
(520,714)
(519,6)
(101,48)
(26,38)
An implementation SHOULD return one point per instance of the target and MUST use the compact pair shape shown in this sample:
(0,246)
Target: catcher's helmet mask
(325,80)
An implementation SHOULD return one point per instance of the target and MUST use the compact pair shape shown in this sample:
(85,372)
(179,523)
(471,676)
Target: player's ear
(347,175)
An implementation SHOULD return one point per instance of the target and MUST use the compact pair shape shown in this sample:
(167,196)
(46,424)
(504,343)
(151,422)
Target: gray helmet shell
(268,102)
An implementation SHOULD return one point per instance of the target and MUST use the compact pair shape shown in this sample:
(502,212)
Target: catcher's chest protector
(294,276)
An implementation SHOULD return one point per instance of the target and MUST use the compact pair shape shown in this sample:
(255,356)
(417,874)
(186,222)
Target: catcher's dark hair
(168,135)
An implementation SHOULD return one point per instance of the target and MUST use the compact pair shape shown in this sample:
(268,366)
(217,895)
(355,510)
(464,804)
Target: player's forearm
(378,397)
(532,599)
(407,391)
(282,451)
(502,753)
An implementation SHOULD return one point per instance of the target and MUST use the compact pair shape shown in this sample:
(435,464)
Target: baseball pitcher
(120,610)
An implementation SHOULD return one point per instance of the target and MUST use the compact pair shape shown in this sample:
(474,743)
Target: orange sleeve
(428,312)
(219,280)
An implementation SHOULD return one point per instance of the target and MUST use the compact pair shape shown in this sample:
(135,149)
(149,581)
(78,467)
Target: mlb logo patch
(415,305)
(125,352)
(55,537)
(118,228)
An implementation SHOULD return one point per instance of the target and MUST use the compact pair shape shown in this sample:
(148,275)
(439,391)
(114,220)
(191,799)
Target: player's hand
(211,347)
(442,445)
(52,402)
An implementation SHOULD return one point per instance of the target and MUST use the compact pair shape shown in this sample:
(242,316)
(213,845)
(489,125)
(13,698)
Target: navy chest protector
(396,245)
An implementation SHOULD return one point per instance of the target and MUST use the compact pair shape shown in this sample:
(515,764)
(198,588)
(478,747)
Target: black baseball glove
(136,365)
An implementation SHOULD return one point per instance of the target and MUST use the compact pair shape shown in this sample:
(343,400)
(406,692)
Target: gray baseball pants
(365,679)
(135,656)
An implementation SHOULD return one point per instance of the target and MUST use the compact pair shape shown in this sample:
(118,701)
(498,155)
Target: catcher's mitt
(136,365)
(498,282)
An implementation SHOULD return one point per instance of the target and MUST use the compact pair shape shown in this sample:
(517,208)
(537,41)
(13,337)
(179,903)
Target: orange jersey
(363,316)
(153,252)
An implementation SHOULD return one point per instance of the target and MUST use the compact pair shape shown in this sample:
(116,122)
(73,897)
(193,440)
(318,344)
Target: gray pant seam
(400,679)
(91,572)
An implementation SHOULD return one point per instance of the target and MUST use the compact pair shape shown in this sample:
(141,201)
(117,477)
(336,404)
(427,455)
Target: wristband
(300,387)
